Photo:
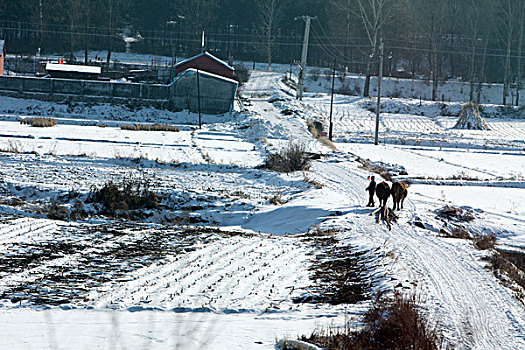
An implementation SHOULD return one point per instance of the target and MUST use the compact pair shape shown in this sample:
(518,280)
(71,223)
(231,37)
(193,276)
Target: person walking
(371,190)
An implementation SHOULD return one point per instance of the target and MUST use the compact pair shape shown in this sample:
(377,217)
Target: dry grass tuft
(316,129)
(326,141)
(39,122)
(293,157)
(509,267)
(389,324)
(308,179)
(149,127)
(458,214)
(485,242)
(276,199)
(118,198)
(457,231)
(317,231)
(383,172)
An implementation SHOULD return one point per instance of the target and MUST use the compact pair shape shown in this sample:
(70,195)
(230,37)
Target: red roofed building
(206,62)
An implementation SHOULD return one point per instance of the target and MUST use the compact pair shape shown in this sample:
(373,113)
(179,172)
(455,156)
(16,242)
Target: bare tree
(473,23)
(506,32)
(373,14)
(113,12)
(198,14)
(74,16)
(268,12)
(344,9)
(521,30)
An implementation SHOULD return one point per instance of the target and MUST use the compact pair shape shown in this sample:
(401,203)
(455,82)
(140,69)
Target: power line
(278,43)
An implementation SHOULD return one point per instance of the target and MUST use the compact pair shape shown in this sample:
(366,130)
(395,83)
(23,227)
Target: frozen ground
(227,274)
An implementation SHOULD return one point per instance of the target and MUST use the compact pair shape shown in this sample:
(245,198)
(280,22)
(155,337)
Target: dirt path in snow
(473,310)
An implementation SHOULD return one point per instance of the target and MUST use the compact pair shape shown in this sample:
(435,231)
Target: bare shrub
(457,231)
(317,231)
(509,267)
(293,157)
(366,165)
(276,199)
(149,127)
(78,212)
(242,73)
(458,214)
(464,176)
(13,146)
(118,198)
(389,324)
(308,179)
(485,242)
(39,122)
(56,211)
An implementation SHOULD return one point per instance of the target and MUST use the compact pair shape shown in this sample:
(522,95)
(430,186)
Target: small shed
(208,63)
(72,71)
(217,93)
(2,54)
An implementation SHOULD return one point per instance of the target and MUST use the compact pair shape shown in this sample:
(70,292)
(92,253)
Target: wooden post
(330,132)
(199,96)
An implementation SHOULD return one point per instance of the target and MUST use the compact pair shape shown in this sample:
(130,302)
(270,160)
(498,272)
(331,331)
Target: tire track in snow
(472,308)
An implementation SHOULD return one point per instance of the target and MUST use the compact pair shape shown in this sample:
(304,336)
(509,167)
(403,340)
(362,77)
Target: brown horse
(399,193)
(382,192)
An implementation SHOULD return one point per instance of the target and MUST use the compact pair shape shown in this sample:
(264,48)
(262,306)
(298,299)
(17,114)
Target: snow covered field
(224,261)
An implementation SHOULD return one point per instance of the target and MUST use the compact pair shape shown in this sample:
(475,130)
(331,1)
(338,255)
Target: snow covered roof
(208,55)
(73,68)
(216,76)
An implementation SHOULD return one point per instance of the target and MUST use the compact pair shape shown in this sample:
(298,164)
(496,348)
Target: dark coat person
(371,190)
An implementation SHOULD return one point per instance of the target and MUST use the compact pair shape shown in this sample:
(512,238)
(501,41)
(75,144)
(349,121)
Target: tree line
(472,40)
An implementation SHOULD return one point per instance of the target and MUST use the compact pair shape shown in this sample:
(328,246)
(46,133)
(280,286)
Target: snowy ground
(102,284)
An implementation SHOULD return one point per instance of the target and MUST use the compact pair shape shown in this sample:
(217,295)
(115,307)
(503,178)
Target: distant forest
(475,40)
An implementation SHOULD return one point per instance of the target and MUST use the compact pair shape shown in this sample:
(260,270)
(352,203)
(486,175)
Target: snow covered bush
(242,73)
(469,118)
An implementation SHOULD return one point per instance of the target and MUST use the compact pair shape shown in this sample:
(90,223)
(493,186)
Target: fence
(217,93)
(56,89)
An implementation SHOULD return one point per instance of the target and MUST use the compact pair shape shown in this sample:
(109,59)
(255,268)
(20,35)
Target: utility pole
(199,94)
(302,65)
(376,141)
(330,131)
